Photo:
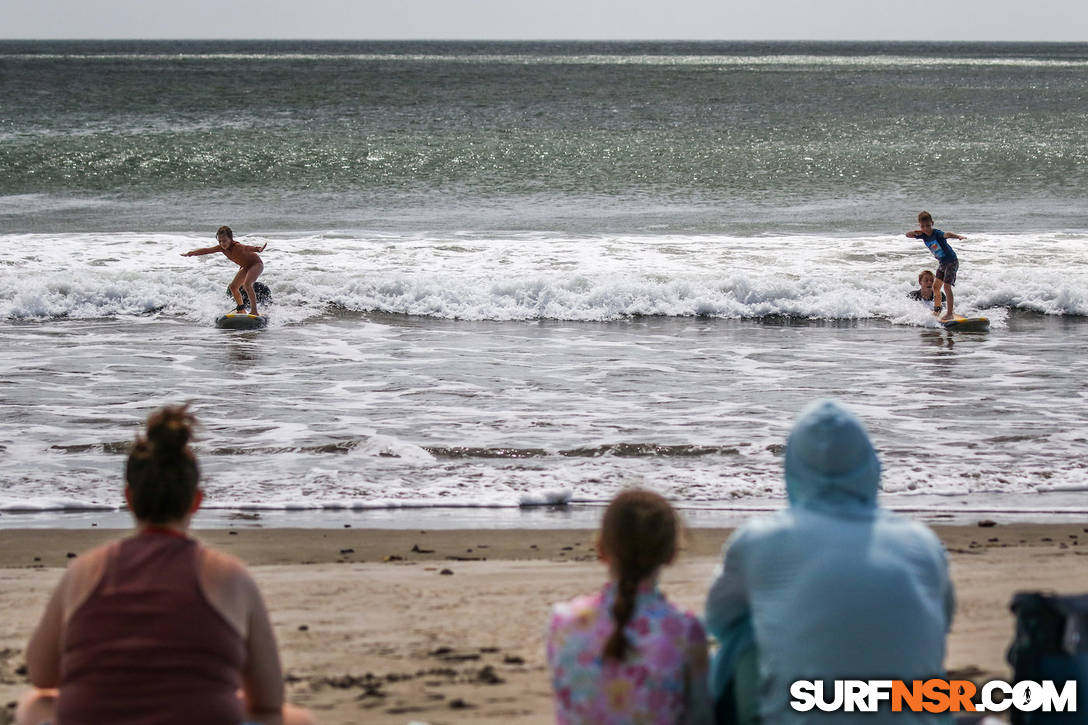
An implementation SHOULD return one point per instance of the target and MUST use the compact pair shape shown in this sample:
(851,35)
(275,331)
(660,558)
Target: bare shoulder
(229,587)
(92,557)
(224,570)
(82,576)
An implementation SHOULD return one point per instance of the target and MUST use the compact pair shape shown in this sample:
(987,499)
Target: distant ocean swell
(527,274)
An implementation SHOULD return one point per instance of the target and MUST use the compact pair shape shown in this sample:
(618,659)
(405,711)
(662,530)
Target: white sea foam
(540,277)
(557,497)
(53,503)
(389,447)
(684,375)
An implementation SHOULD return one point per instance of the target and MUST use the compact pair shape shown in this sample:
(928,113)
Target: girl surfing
(247,259)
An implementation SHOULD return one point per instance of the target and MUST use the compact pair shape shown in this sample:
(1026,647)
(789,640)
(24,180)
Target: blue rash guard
(940,247)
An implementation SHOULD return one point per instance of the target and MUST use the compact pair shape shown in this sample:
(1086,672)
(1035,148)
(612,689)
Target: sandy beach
(382,626)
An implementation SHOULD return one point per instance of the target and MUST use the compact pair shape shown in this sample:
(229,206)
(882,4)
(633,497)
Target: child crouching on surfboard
(245,257)
(947,261)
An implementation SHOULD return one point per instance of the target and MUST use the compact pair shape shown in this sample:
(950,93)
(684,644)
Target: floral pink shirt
(662,680)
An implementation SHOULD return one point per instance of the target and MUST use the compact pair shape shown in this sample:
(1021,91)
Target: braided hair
(161,471)
(639,533)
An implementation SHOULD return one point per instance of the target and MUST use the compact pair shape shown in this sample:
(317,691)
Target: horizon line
(537,40)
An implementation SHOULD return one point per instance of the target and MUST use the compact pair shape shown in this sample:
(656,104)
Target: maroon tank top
(146,647)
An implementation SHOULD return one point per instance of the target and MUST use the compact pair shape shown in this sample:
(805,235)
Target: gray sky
(1046,20)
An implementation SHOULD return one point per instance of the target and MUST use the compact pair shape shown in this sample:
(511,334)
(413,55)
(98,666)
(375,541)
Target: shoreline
(573,515)
(447,625)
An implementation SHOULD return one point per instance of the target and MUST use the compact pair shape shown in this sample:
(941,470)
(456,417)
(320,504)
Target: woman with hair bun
(156,628)
(626,654)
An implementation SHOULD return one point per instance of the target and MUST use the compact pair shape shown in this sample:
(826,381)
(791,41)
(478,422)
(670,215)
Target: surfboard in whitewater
(966,324)
(241,321)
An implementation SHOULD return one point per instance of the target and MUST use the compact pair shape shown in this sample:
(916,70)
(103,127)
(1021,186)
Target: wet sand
(394,626)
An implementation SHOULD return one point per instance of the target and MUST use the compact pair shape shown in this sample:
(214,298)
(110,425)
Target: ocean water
(518,274)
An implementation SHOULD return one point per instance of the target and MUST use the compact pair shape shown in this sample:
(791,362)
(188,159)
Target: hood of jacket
(831,464)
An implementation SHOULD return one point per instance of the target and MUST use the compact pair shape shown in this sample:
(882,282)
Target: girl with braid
(626,654)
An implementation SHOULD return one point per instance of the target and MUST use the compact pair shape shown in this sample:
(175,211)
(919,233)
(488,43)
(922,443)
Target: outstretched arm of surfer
(914,234)
(952,235)
(198,252)
(256,249)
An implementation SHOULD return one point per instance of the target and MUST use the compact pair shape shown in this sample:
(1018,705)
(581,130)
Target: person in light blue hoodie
(833,587)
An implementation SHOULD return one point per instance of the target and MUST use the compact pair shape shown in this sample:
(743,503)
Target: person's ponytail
(161,471)
(616,646)
(638,534)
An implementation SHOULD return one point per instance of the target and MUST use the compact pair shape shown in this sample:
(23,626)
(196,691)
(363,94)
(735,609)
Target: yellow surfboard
(967,324)
(241,321)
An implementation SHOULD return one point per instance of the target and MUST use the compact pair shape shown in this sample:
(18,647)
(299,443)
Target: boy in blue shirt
(947,261)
